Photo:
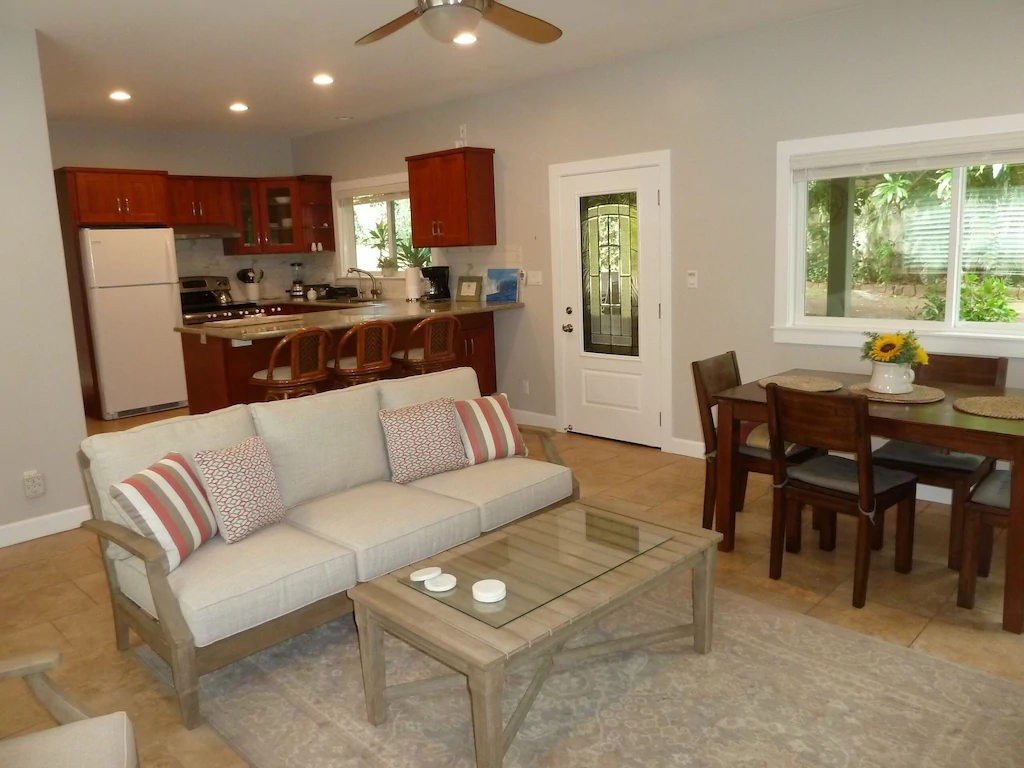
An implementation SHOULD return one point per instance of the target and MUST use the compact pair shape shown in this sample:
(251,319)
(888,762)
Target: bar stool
(374,341)
(437,352)
(306,368)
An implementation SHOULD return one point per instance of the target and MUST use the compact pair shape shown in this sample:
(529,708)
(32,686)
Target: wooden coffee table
(564,570)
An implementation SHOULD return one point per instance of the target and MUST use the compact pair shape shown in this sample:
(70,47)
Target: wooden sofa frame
(168,634)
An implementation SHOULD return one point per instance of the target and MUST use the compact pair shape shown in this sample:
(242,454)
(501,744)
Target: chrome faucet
(375,291)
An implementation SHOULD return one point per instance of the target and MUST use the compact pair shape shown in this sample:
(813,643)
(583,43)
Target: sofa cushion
(388,525)
(423,440)
(457,383)
(504,490)
(928,456)
(323,444)
(226,589)
(117,455)
(99,742)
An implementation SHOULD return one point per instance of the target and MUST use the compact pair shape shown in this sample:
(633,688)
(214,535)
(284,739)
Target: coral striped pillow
(488,430)
(168,504)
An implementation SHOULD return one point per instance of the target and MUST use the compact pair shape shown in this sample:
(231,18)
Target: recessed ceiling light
(120,95)
(466,38)
(238,107)
(343,118)
(323,79)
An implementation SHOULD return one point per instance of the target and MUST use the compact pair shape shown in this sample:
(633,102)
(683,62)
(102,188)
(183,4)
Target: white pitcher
(891,378)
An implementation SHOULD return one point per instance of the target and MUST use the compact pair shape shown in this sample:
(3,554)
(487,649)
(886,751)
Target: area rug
(778,689)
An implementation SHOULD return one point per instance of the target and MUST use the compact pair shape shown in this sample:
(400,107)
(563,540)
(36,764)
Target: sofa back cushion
(116,456)
(325,443)
(457,383)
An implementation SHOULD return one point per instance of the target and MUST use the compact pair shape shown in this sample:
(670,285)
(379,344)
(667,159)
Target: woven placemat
(805,383)
(920,394)
(999,407)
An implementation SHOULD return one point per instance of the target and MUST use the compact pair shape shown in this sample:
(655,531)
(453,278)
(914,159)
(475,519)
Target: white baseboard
(682,447)
(531,419)
(44,525)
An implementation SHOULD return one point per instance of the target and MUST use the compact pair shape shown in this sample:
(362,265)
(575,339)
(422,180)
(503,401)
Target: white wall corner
(531,419)
(44,525)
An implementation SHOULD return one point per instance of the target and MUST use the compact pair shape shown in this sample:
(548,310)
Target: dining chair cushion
(281,373)
(840,474)
(416,353)
(488,430)
(994,490)
(168,504)
(423,440)
(347,364)
(755,436)
(242,487)
(928,456)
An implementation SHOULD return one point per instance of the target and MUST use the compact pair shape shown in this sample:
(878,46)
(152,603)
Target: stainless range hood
(205,232)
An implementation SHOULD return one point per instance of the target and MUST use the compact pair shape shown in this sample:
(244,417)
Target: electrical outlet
(34,483)
(691,278)
(526,387)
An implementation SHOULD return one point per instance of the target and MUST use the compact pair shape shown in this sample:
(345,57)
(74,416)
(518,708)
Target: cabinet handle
(440,228)
(119,205)
(127,206)
(472,346)
(465,348)
(193,207)
(200,207)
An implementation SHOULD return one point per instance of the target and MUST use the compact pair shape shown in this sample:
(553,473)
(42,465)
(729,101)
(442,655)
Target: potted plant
(410,257)
(387,265)
(891,355)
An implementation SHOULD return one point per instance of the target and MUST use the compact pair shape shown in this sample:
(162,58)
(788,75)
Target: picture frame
(469,288)
(503,286)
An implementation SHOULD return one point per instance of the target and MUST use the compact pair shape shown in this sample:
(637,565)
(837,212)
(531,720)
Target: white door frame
(662,161)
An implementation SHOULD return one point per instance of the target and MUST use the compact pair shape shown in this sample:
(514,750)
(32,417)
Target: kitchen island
(221,359)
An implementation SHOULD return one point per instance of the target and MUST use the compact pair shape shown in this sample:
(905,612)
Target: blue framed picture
(503,285)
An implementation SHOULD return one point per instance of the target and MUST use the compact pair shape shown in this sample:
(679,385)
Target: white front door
(608,234)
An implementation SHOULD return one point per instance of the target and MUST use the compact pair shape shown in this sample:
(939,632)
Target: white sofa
(346,521)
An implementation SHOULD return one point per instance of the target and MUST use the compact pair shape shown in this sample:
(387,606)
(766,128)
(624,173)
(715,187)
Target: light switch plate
(691,278)
(534,277)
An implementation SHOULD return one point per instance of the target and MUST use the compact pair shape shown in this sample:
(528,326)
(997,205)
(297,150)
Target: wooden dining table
(936,424)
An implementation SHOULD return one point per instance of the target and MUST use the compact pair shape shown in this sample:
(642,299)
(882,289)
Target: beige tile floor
(53,595)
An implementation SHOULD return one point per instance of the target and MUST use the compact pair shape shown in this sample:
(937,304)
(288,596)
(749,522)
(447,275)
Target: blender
(297,291)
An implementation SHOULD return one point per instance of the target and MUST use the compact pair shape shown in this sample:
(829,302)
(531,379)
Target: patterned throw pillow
(423,440)
(168,504)
(243,488)
(488,430)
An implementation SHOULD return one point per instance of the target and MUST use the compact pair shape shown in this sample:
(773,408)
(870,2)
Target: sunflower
(887,346)
(920,356)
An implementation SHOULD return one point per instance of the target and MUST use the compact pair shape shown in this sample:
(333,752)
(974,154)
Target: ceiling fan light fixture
(466,38)
(445,23)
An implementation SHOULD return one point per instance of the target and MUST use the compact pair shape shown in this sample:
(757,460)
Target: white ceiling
(185,61)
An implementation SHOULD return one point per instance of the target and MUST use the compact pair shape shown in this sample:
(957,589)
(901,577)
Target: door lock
(568,310)
(567,327)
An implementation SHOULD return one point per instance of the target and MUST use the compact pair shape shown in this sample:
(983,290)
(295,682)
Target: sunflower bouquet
(898,348)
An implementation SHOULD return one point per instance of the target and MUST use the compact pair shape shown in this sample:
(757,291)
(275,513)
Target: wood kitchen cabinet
(316,213)
(475,347)
(118,197)
(451,197)
(283,215)
(199,200)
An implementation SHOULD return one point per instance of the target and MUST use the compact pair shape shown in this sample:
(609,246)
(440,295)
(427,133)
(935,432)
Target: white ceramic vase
(891,378)
(413,283)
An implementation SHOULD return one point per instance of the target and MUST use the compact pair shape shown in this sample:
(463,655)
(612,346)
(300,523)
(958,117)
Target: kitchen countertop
(344,318)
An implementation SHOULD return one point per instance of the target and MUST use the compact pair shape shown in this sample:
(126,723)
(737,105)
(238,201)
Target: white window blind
(379,197)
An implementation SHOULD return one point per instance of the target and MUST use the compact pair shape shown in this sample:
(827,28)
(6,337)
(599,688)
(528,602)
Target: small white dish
(425,573)
(489,591)
(443,583)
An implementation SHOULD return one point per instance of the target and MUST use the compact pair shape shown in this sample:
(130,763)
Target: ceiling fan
(454,21)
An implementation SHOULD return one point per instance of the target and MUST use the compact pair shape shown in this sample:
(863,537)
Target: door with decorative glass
(609,231)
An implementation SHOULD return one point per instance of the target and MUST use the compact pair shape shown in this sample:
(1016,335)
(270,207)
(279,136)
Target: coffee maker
(437,289)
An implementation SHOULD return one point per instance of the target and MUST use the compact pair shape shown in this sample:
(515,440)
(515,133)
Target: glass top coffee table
(564,570)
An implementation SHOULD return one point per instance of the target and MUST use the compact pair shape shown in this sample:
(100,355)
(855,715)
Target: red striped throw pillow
(488,430)
(168,505)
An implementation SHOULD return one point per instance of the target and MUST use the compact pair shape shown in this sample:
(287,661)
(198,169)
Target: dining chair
(834,484)
(711,376)
(306,352)
(374,341)
(430,346)
(959,472)
(987,508)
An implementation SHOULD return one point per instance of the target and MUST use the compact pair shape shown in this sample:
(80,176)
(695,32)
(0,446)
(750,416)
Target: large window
(923,235)
(376,229)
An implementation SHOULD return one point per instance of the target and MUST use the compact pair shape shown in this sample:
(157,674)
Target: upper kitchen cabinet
(279,201)
(198,200)
(317,213)
(451,196)
(117,197)
(283,215)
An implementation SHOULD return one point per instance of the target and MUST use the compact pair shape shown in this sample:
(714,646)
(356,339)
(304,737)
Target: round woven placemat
(805,383)
(999,407)
(920,394)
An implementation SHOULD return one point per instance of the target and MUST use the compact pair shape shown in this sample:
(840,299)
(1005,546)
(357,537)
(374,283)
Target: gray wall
(178,151)
(720,107)
(41,420)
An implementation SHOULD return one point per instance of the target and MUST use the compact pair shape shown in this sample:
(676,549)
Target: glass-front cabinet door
(247,213)
(281,224)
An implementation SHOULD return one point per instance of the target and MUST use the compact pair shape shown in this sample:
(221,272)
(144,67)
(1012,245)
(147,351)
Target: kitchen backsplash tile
(206,257)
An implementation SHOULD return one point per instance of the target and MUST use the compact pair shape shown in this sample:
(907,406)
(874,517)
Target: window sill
(942,341)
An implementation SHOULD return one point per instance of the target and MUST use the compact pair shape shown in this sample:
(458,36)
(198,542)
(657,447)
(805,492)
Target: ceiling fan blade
(521,24)
(390,28)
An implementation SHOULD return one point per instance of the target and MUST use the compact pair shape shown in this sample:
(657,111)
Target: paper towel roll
(413,283)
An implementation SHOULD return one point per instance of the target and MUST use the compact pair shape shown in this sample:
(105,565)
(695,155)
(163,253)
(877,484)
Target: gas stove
(207,313)
(205,298)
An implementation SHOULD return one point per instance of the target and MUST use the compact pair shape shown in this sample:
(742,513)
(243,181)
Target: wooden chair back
(438,335)
(963,369)
(374,342)
(828,421)
(711,376)
(306,351)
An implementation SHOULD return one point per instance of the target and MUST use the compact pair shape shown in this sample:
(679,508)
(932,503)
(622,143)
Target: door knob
(567,327)
(568,310)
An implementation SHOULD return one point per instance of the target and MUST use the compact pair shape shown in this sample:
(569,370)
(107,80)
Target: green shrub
(981,301)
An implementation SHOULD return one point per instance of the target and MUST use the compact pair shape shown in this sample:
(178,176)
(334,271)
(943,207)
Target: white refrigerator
(131,279)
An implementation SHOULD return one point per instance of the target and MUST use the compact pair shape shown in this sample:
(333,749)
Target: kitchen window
(917,228)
